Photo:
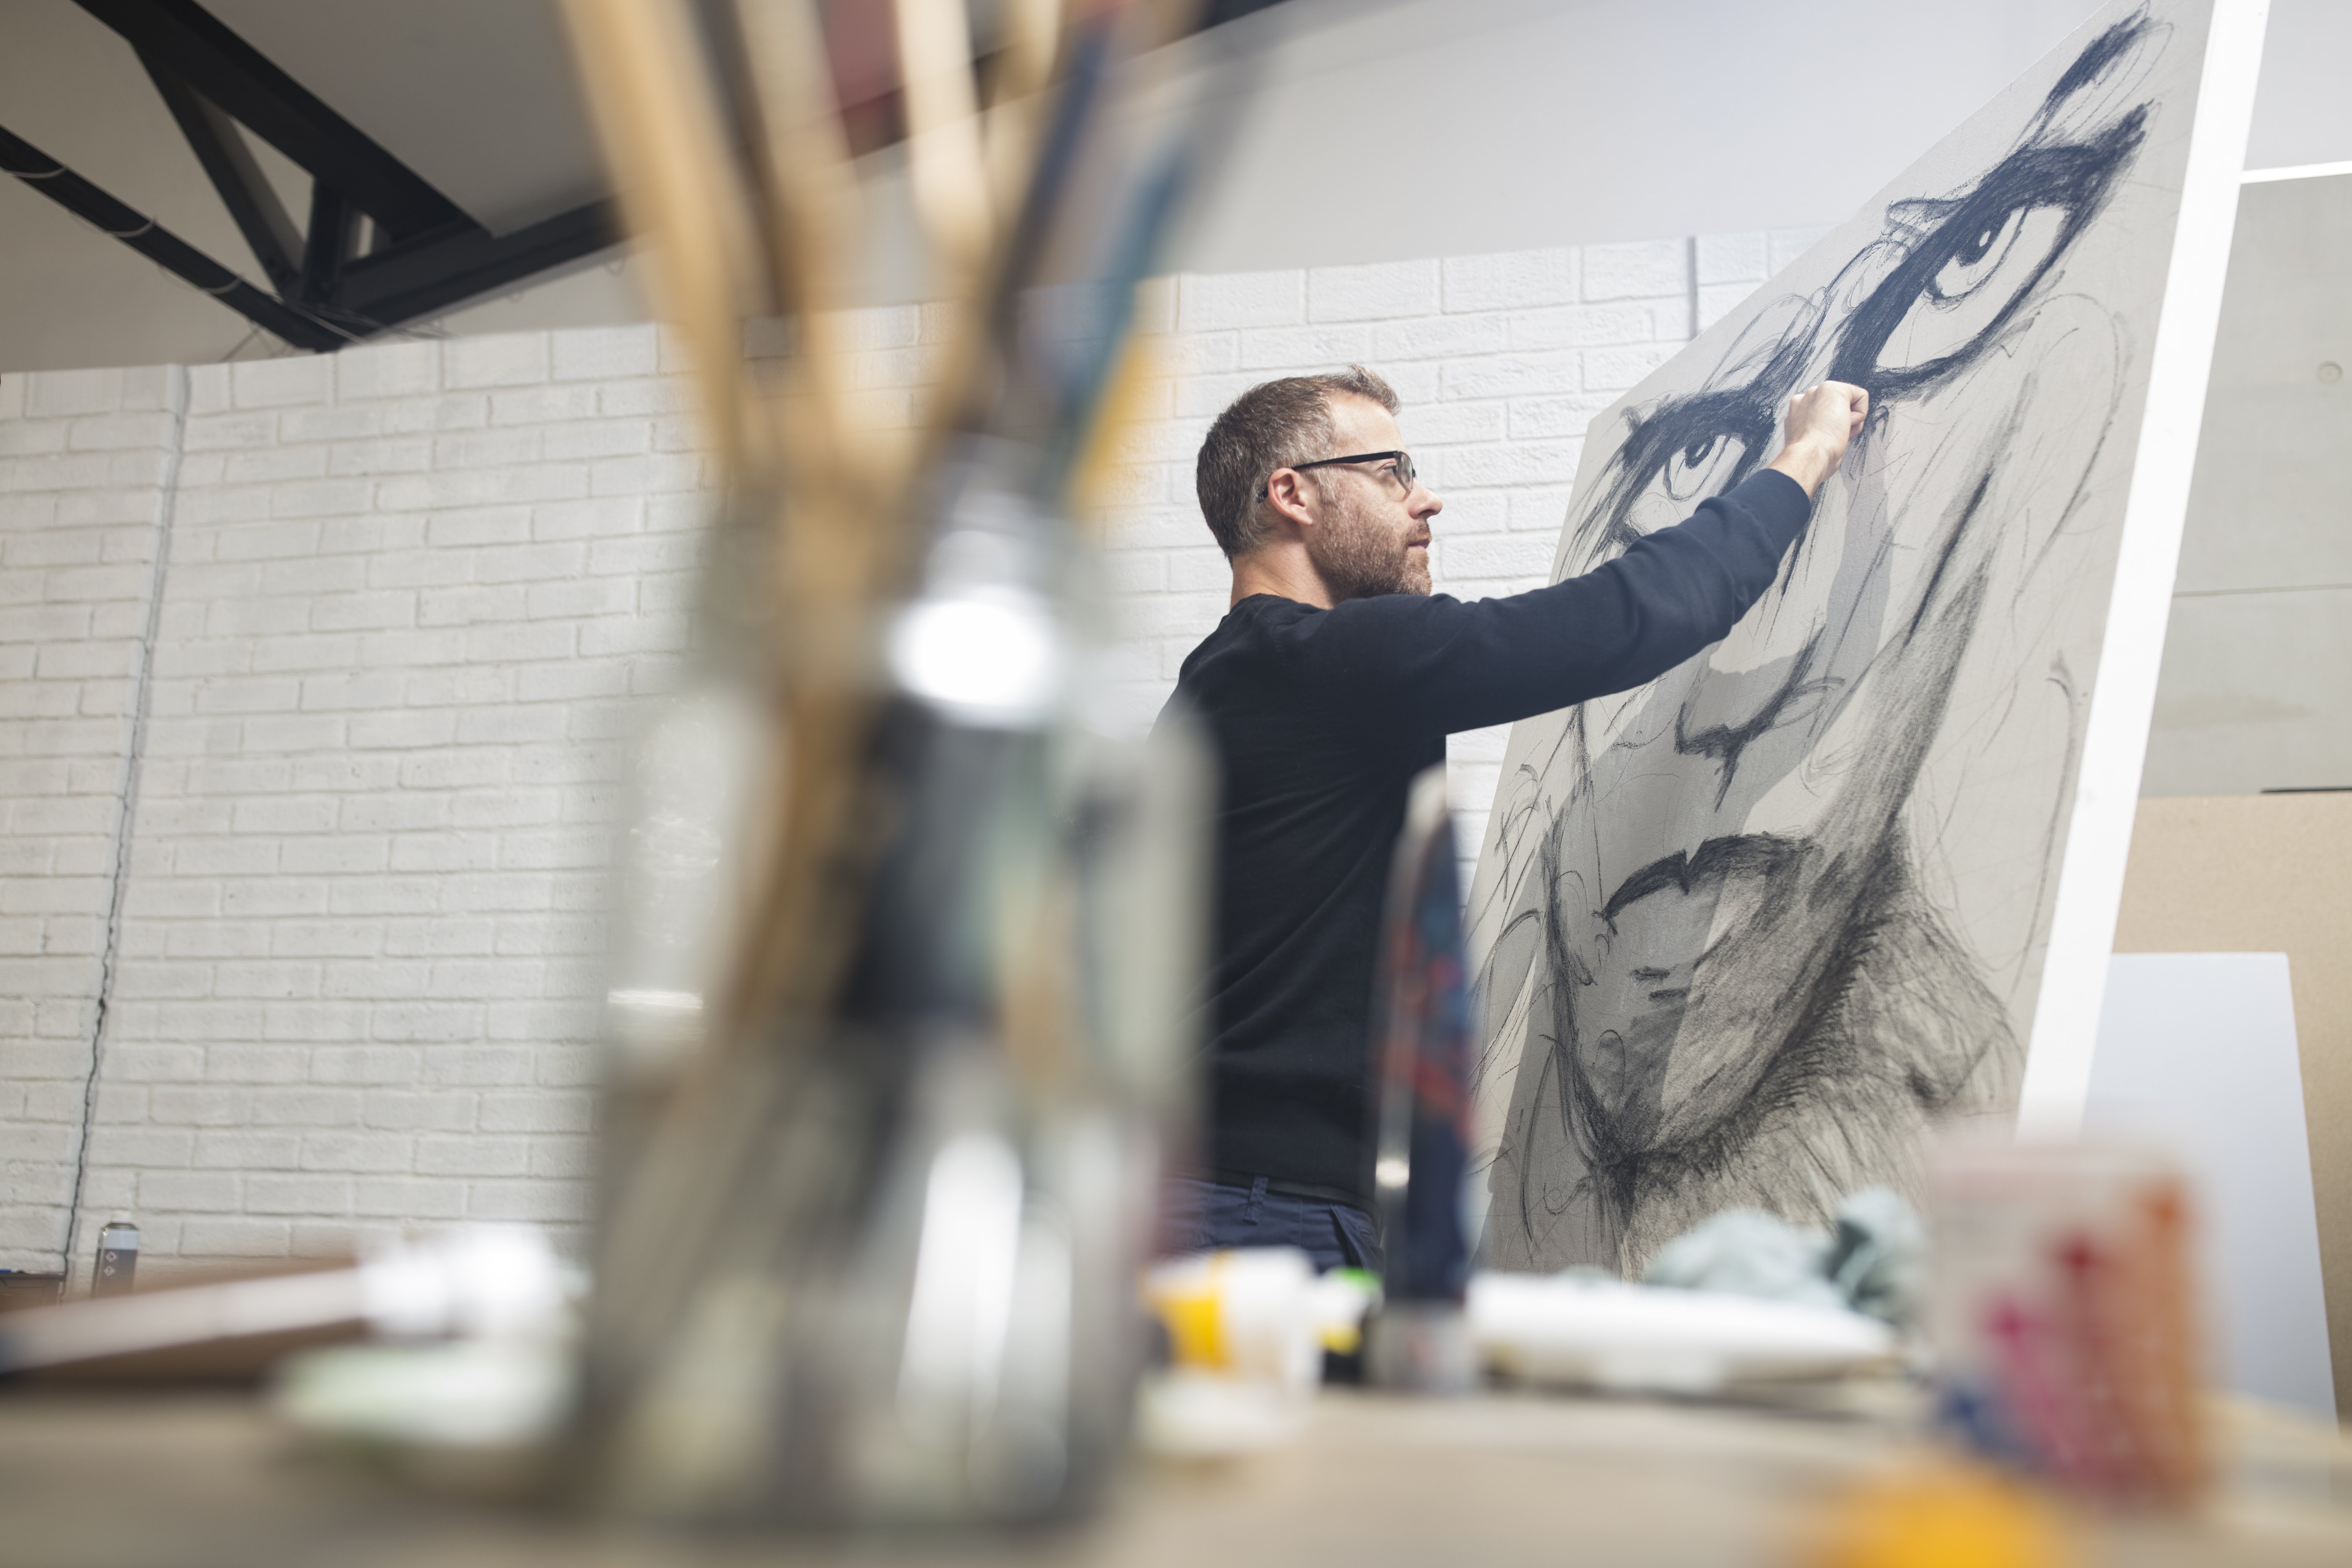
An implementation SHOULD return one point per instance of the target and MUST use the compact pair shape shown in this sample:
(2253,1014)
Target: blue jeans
(1198,1216)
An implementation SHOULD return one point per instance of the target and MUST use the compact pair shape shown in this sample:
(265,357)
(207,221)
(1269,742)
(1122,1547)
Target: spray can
(117,1258)
(1421,1132)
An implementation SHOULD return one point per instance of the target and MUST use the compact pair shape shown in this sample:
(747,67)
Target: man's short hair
(1272,426)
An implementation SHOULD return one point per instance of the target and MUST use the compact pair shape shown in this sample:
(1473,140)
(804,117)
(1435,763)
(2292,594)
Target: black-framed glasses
(1403,469)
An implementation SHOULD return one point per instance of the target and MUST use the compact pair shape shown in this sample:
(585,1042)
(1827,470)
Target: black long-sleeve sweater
(1322,719)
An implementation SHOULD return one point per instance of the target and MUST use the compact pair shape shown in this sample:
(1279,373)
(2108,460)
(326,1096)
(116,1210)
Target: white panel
(2198,1050)
(2098,835)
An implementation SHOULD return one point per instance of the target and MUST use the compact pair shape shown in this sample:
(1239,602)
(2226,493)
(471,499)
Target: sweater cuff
(1778,500)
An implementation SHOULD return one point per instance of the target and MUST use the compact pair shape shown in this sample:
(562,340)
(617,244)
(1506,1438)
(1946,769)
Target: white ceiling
(1503,124)
(1380,132)
(477,95)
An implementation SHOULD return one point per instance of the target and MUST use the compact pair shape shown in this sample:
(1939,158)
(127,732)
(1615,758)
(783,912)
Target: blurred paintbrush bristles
(943,136)
(661,128)
(886,828)
(830,491)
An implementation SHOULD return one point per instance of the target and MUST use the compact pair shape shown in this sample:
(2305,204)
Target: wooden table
(122,1480)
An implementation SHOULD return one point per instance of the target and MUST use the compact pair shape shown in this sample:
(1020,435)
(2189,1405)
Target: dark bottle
(118,1259)
(1420,1134)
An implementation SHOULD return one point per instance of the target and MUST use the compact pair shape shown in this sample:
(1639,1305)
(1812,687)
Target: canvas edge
(2089,897)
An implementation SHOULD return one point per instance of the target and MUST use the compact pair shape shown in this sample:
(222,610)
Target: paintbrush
(731,1239)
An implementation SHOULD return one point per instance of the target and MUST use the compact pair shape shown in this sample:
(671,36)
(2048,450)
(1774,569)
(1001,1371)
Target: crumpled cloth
(1875,1262)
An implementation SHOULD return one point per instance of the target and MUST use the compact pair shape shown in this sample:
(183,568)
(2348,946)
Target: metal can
(118,1259)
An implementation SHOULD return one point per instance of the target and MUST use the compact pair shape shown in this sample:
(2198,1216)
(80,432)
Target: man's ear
(1292,498)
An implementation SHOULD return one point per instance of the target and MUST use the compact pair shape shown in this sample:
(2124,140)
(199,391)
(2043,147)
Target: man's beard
(1358,558)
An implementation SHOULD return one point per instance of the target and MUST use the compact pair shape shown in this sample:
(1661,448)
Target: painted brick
(1614,369)
(52,392)
(516,359)
(409,1198)
(1380,292)
(1717,301)
(1586,326)
(220,1149)
(1743,258)
(1322,347)
(387,370)
(1207,303)
(1511,374)
(278,382)
(1440,337)
(1515,556)
(1632,271)
(1510,280)
(1544,419)
(481,1154)
(602,353)
(236,1237)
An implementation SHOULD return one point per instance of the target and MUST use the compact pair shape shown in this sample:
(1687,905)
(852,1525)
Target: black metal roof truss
(423,255)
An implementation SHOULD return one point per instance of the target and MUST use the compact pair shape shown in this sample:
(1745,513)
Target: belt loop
(1257,1204)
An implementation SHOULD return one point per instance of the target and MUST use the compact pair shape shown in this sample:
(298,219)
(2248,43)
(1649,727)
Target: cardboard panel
(2270,874)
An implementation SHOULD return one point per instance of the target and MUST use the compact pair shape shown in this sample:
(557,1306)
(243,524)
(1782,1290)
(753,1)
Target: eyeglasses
(1403,469)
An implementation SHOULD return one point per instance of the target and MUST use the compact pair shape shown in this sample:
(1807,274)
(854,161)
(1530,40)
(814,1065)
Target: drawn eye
(1702,466)
(1977,259)
(1676,455)
(1993,265)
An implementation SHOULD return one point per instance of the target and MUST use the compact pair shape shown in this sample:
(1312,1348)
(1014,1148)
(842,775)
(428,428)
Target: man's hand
(1821,422)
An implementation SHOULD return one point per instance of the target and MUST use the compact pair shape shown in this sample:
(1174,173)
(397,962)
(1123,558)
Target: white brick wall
(410,590)
(84,456)
(411,593)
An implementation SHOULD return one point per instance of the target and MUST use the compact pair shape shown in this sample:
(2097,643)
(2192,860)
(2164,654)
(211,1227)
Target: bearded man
(1332,681)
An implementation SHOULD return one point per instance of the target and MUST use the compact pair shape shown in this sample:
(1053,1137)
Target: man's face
(1372,530)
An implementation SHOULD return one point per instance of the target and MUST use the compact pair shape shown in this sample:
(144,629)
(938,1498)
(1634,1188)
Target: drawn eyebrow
(2076,178)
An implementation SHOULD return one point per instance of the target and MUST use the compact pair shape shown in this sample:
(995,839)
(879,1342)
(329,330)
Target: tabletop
(192,1480)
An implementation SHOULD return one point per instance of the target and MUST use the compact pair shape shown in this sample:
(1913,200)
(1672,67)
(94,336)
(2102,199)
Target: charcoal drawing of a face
(1746,930)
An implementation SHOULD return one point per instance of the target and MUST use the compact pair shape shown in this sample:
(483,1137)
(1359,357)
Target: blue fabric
(1198,1216)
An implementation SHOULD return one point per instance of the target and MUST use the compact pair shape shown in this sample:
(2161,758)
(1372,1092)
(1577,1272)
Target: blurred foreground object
(467,1282)
(1247,1330)
(2065,1316)
(1586,1328)
(912,930)
(481,1327)
(1421,1139)
(1949,1516)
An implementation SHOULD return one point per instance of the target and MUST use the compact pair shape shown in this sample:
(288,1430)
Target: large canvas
(1743,932)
